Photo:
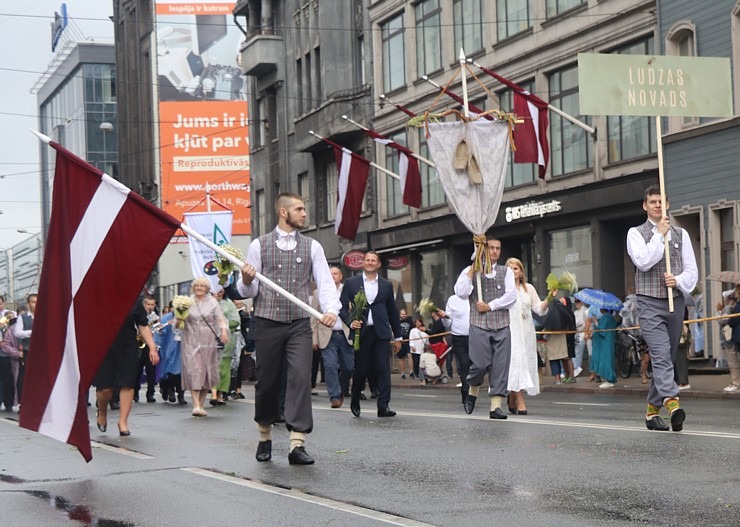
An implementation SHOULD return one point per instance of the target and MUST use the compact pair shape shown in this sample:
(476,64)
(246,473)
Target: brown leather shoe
(337,403)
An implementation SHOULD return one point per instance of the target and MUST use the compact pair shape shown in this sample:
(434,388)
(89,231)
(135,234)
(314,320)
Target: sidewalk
(705,384)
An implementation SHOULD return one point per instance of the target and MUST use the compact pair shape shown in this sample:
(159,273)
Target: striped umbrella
(730,277)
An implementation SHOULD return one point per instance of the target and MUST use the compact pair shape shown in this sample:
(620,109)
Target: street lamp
(105,127)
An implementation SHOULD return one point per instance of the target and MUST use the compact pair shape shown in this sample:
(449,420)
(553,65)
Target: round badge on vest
(298,260)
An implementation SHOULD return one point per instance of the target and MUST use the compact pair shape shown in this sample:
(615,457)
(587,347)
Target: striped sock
(652,411)
(671,404)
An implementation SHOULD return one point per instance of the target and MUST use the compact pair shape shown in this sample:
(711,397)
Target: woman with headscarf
(205,326)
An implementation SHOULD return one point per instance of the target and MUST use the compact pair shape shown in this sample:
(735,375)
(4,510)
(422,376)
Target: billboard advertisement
(203,131)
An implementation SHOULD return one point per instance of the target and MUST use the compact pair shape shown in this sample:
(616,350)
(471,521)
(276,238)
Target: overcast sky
(25,38)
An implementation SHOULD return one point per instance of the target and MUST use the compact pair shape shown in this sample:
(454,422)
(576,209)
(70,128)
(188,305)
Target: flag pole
(416,156)
(663,208)
(397,106)
(466,112)
(262,278)
(374,165)
(591,130)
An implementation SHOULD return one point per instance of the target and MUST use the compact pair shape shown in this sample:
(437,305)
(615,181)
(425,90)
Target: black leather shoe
(354,405)
(677,418)
(171,397)
(386,412)
(363,397)
(470,403)
(150,399)
(656,423)
(299,456)
(497,414)
(264,450)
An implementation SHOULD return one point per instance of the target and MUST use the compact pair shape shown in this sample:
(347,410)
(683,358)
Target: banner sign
(216,227)
(613,84)
(203,113)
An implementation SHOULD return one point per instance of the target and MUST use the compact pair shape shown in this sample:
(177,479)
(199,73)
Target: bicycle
(630,350)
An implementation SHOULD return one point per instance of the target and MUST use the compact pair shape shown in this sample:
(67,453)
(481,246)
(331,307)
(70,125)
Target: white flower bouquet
(226,267)
(181,307)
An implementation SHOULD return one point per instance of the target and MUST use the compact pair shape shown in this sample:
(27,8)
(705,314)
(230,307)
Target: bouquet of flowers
(181,307)
(226,267)
(426,307)
(567,282)
(357,307)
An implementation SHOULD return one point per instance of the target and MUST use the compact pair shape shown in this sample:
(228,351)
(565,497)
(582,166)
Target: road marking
(9,421)
(120,450)
(422,396)
(309,498)
(583,404)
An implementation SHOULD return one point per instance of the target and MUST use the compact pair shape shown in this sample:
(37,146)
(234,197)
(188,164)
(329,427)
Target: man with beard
(283,330)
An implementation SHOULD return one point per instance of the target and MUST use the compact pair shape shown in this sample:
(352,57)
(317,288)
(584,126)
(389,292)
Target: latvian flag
(530,138)
(408,170)
(353,173)
(102,245)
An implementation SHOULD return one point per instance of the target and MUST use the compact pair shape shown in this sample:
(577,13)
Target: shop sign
(533,208)
(353,260)
(397,262)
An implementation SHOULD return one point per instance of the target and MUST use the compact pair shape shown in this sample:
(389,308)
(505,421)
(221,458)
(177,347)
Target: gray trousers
(280,345)
(661,330)
(490,351)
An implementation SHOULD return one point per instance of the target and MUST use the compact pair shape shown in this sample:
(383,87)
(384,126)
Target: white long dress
(523,373)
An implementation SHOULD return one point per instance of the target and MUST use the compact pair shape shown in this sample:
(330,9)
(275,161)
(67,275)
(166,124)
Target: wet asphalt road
(575,460)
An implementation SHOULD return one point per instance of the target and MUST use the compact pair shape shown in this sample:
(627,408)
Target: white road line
(120,450)
(421,396)
(8,421)
(583,404)
(308,498)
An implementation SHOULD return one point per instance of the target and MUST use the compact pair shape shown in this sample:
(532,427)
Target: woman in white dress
(523,374)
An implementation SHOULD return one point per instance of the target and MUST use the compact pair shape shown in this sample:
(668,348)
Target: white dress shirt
(464,287)
(18,330)
(327,290)
(646,255)
(458,311)
(371,292)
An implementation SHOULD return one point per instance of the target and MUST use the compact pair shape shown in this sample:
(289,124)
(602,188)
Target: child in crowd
(428,365)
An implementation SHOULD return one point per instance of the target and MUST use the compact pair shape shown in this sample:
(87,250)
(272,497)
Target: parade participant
(283,330)
(403,355)
(205,324)
(23,329)
(120,367)
(418,338)
(10,358)
(457,321)
(336,352)
(220,391)
(490,336)
(380,324)
(523,374)
(661,328)
(170,360)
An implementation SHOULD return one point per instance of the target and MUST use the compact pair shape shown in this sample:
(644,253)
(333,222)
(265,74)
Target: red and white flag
(102,245)
(353,173)
(408,169)
(530,138)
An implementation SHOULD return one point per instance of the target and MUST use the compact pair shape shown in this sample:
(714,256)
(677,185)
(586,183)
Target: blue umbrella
(599,298)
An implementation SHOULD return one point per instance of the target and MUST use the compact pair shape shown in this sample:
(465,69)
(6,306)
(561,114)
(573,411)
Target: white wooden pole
(375,166)
(661,181)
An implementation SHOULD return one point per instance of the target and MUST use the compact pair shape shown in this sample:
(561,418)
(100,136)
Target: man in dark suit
(379,326)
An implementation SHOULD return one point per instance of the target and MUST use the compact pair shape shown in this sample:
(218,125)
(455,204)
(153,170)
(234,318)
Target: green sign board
(611,84)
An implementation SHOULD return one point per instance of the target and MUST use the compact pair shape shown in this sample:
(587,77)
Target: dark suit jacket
(386,319)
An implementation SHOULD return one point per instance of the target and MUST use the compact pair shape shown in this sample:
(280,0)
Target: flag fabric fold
(353,173)
(530,138)
(408,169)
(88,259)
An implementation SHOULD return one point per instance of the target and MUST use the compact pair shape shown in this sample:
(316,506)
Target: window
(569,144)
(681,41)
(261,213)
(727,240)
(431,188)
(299,86)
(331,179)
(555,7)
(632,136)
(570,250)
(317,65)
(468,15)
(434,277)
(736,51)
(309,91)
(513,16)
(428,37)
(394,54)
(304,189)
(394,196)
(517,173)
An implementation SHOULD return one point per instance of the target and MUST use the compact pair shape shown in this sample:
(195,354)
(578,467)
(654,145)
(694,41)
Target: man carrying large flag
(93,218)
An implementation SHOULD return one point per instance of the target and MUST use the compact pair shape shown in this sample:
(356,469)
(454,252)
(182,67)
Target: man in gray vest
(489,339)
(660,328)
(283,330)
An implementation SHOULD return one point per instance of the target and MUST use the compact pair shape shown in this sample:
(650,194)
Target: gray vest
(25,343)
(292,270)
(492,288)
(651,282)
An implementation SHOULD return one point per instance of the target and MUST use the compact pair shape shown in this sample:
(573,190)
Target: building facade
(702,172)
